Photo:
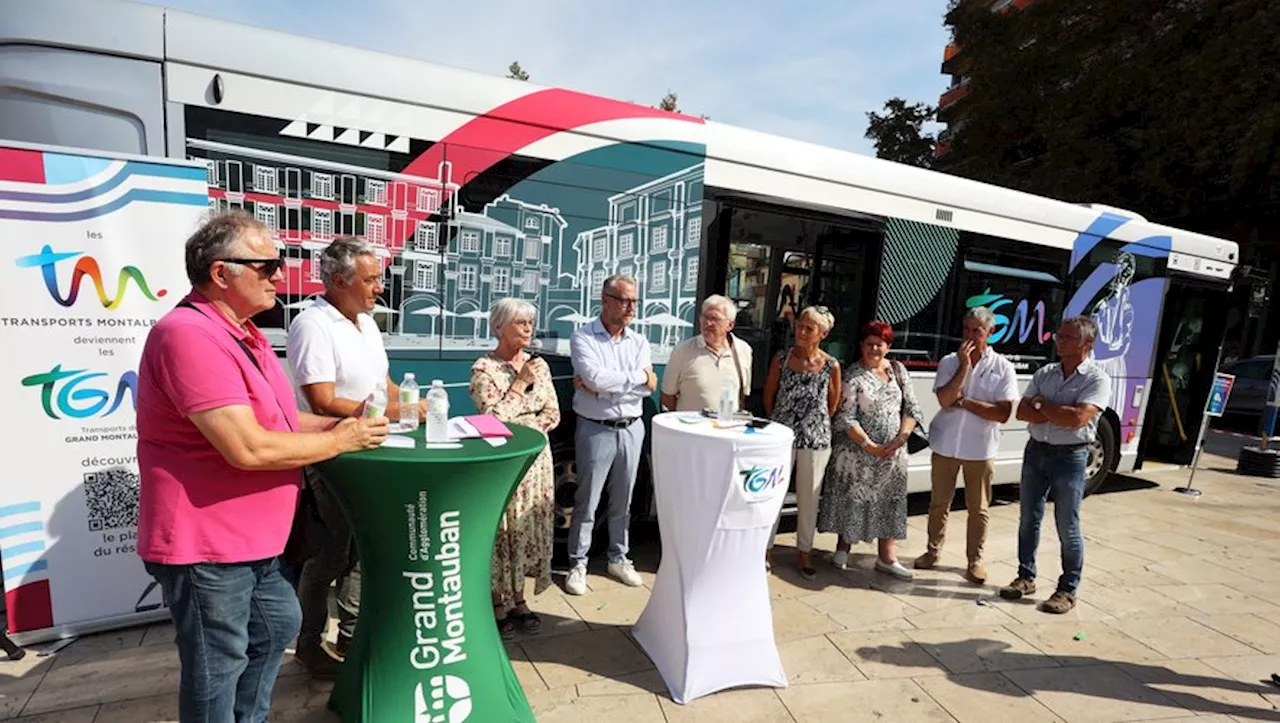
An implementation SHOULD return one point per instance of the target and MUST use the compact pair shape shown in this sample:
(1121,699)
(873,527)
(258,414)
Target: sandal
(506,624)
(807,571)
(529,621)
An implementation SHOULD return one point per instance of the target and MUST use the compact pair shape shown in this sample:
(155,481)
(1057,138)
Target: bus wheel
(1103,456)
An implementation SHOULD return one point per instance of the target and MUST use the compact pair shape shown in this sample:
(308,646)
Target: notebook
(488,425)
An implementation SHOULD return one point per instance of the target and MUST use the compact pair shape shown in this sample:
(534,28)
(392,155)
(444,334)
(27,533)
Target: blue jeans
(1059,470)
(604,455)
(233,622)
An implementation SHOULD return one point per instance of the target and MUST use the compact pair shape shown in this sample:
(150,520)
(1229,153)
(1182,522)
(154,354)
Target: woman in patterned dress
(866,484)
(517,388)
(802,392)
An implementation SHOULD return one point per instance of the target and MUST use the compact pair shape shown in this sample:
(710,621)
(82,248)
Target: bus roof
(738,160)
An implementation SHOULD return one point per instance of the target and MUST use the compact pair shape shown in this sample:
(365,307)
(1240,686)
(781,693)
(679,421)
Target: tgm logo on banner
(47,261)
(449,701)
(759,482)
(81,393)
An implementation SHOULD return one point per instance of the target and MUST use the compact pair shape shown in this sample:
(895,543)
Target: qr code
(111,496)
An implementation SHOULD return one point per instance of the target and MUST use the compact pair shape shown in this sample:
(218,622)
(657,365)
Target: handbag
(917,440)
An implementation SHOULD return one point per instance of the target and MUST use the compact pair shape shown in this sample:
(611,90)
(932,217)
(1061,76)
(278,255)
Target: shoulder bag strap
(252,360)
(737,364)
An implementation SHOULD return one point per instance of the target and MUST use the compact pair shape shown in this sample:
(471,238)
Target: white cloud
(810,74)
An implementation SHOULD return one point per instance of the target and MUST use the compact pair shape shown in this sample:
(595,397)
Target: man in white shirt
(337,357)
(700,367)
(976,388)
(613,374)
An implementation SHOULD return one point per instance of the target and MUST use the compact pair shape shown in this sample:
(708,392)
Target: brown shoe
(926,561)
(976,573)
(1018,588)
(318,661)
(340,648)
(1059,603)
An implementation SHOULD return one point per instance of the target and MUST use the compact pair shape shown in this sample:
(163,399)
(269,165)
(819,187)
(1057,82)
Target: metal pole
(1195,461)
(1204,425)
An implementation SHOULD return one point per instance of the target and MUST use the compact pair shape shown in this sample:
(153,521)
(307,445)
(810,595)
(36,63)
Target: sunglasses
(266,267)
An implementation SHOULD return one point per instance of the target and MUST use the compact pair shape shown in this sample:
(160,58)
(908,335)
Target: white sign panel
(91,255)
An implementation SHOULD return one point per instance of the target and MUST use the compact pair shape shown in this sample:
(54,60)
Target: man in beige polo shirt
(699,367)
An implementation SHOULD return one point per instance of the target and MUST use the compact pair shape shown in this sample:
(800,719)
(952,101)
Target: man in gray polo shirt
(1061,405)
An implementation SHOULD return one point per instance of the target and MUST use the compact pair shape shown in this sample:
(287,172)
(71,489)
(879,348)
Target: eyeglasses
(623,301)
(266,267)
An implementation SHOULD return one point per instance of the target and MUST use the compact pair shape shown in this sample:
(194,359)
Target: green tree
(1168,107)
(514,71)
(898,132)
(670,103)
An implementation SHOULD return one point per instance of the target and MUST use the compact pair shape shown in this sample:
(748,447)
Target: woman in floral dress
(866,486)
(516,388)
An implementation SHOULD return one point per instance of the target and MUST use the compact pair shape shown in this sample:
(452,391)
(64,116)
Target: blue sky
(811,75)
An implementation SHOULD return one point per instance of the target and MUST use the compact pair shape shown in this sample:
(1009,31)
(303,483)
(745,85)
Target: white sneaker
(896,569)
(840,559)
(624,572)
(576,583)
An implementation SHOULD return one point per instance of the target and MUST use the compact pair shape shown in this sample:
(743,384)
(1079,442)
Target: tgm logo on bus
(1026,318)
(81,393)
(760,481)
(47,261)
(448,702)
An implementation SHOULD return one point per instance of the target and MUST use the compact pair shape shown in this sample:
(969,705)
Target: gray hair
(508,310)
(216,240)
(339,259)
(983,314)
(820,315)
(1087,326)
(610,282)
(723,303)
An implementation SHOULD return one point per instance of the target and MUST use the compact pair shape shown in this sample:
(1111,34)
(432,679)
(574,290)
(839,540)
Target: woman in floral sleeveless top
(802,391)
(515,388)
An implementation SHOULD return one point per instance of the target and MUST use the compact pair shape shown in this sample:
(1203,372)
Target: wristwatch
(959,402)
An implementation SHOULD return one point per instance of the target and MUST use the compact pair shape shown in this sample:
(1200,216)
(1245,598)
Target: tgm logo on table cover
(759,482)
(441,632)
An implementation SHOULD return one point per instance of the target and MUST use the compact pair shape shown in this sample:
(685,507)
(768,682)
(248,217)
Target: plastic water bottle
(409,396)
(437,413)
(728,401)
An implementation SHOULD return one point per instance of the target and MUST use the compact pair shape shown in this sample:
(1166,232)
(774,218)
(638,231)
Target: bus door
(1192,327)
(773,262)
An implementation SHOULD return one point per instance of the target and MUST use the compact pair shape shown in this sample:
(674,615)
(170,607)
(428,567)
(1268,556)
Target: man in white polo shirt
(336,353)
(976,388)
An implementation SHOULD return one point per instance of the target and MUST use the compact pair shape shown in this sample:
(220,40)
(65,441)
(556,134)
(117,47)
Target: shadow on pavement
(1137,684)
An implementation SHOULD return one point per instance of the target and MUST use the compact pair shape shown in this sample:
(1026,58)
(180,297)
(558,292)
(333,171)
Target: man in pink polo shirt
(220,447)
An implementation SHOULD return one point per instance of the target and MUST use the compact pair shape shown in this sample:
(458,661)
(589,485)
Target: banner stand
(1214,406)
(92,259)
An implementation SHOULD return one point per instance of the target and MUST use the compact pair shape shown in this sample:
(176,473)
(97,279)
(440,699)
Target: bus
(473,188)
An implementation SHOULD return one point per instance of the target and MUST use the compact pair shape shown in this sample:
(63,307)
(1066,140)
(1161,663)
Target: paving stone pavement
(1179,620)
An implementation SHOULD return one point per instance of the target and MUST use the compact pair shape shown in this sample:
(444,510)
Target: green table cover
(426,648)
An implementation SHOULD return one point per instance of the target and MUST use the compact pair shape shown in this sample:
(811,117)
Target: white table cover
(708,625)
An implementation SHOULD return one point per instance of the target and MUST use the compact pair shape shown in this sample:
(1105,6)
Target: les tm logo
(47,261)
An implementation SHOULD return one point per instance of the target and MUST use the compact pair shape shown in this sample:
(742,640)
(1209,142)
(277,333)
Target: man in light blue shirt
(613,373)
(1061,407)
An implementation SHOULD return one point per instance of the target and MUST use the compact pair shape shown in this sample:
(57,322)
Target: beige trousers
(977,497)
(810,467)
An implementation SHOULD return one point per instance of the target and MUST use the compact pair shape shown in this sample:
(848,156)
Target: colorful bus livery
(474,187)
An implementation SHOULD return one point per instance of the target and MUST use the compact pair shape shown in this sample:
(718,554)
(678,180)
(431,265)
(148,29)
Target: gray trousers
(604,456)
(334,562)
